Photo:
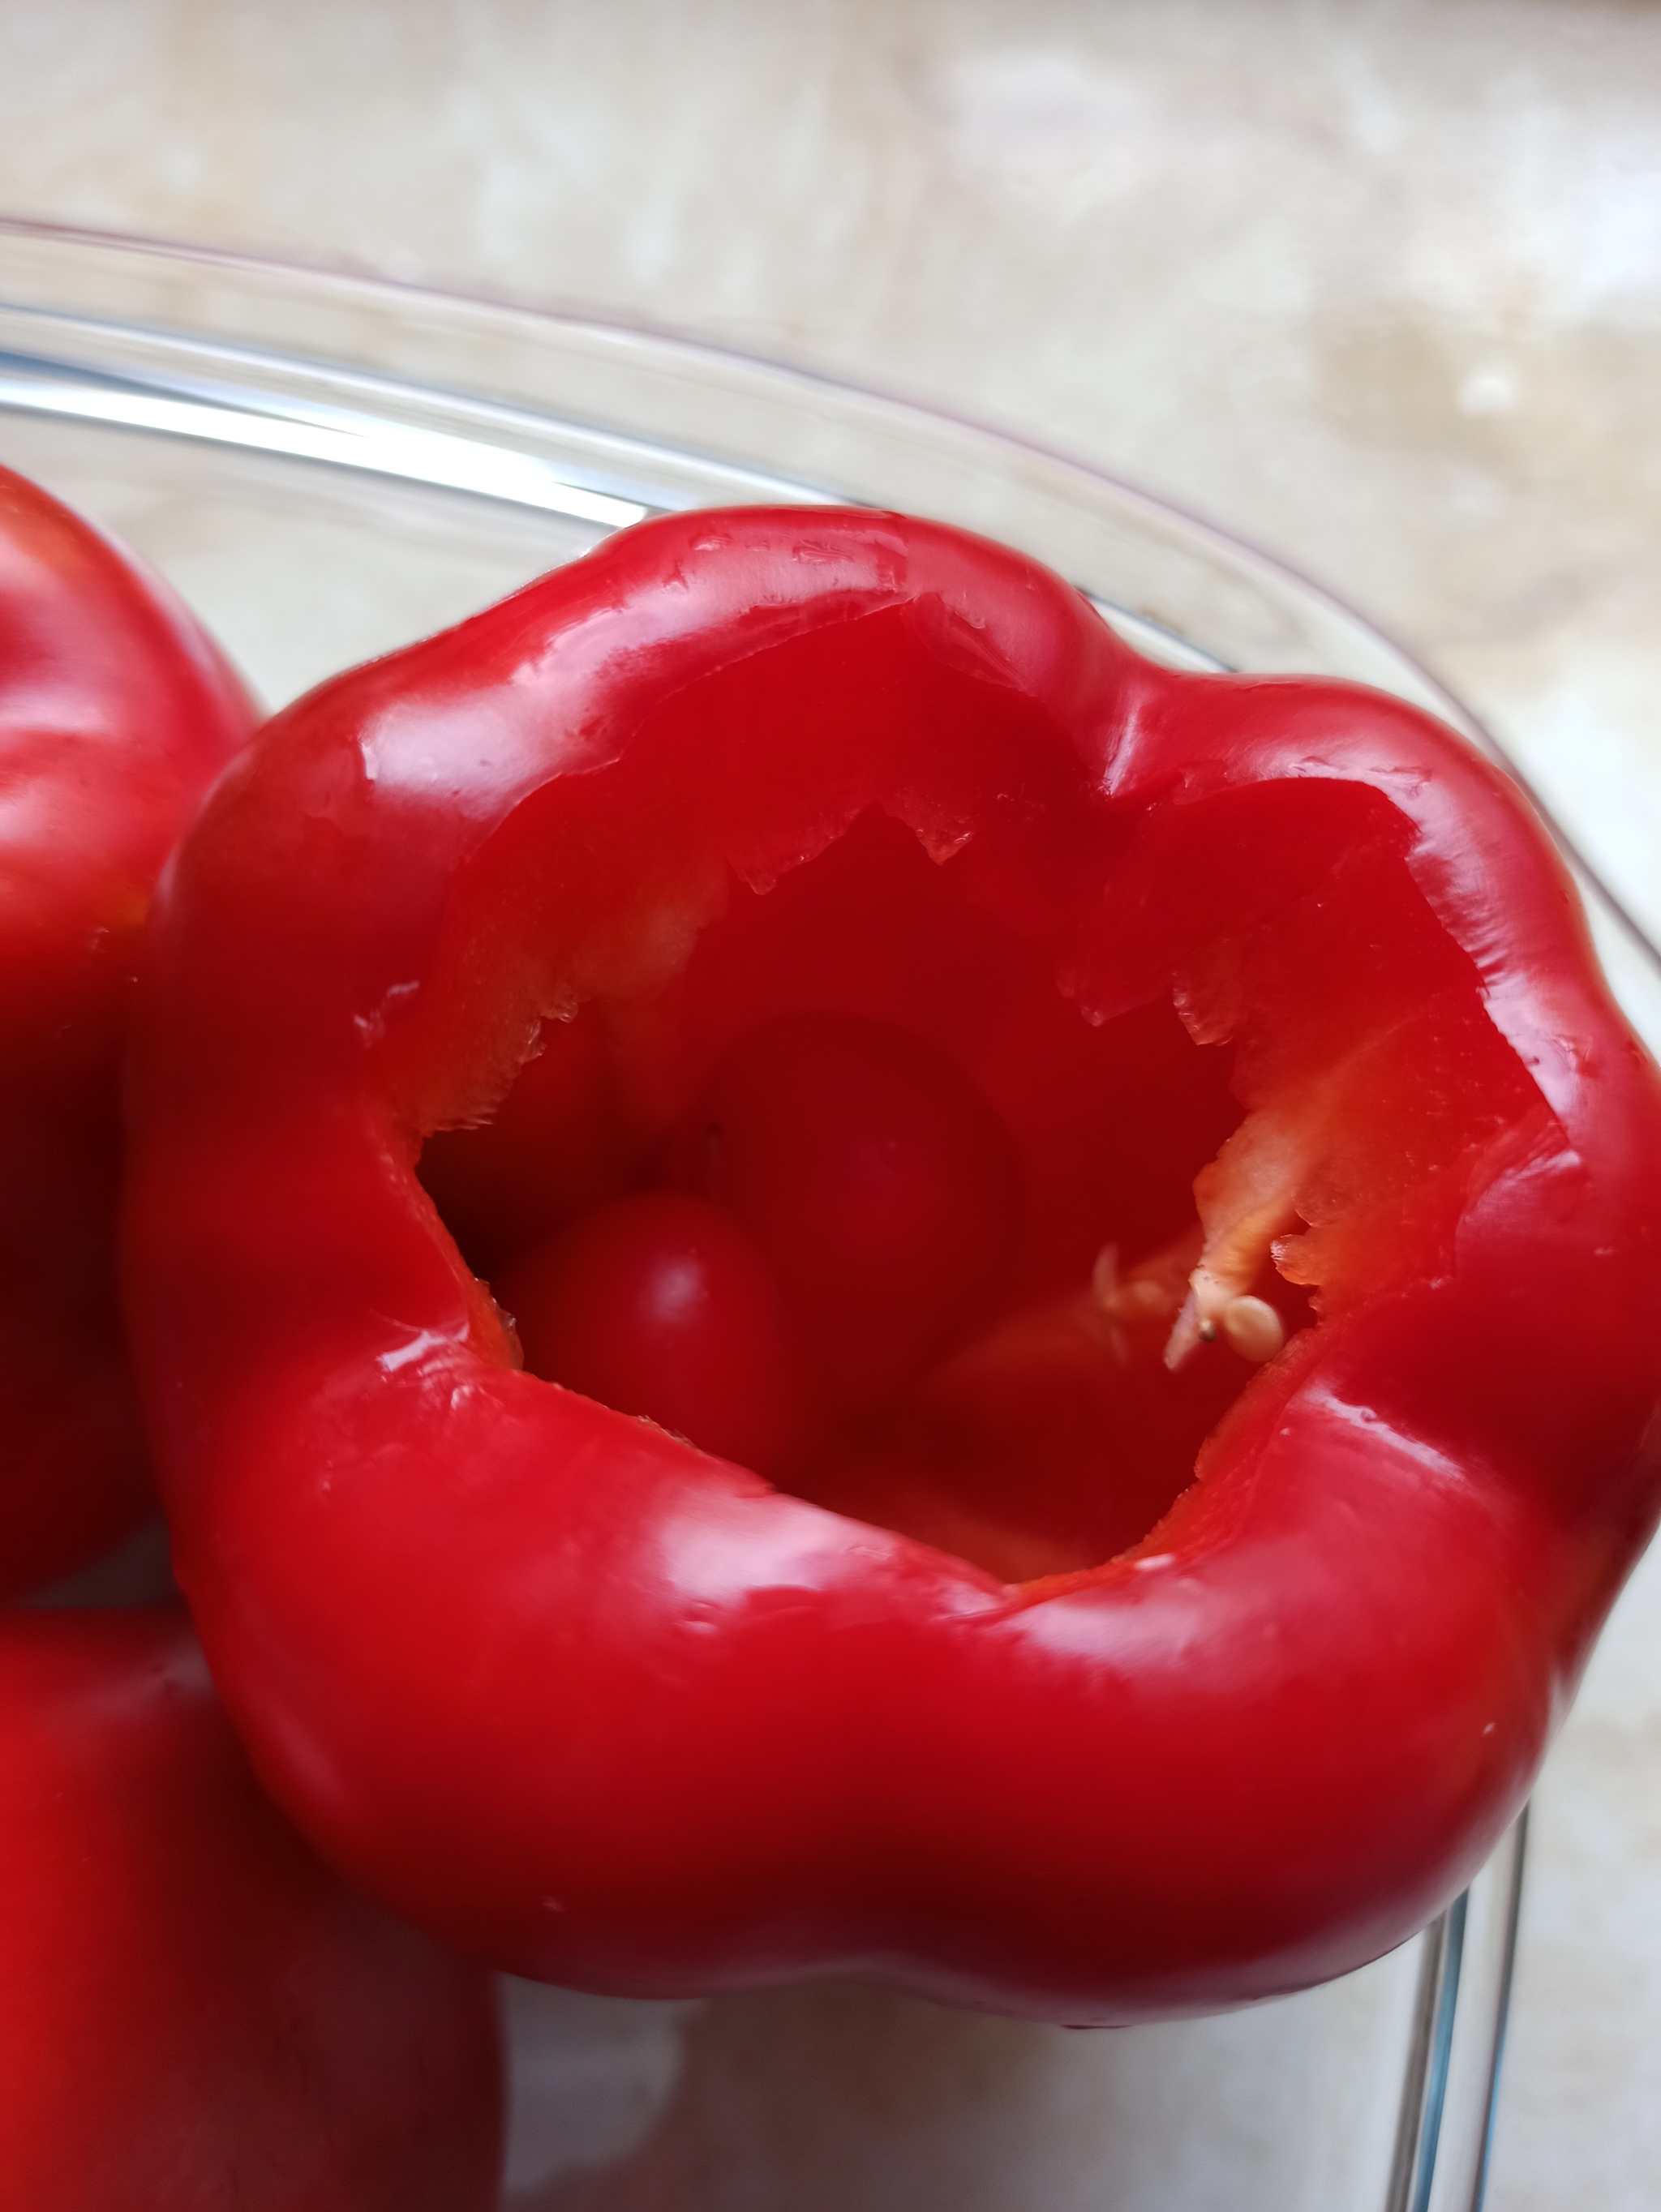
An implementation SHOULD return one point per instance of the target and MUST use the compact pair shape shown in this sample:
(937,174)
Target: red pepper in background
(193,2012)
(116,711)
(1048,1030)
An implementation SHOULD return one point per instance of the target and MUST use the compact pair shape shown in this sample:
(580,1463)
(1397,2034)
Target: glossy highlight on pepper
(1178,1614)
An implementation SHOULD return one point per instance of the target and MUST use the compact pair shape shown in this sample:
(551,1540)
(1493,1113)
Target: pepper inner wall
(1043,1442)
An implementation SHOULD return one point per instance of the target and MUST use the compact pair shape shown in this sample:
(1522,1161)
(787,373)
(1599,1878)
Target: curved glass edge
(785,430)
(1425,2098)
(1451,2091)
(182,385)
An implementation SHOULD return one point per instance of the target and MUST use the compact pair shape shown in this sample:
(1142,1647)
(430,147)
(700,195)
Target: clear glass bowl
(327,467)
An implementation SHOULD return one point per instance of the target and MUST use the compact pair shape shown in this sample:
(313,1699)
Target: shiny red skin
(194,2012)
(621,1715)
(116,713)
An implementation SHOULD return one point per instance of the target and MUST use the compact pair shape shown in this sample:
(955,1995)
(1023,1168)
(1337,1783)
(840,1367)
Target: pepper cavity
(870,1247)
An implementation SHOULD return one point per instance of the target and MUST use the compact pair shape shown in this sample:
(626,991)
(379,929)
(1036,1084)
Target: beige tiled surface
(1377,284)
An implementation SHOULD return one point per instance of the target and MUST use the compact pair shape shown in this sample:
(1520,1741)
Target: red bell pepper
(867,897)
(116,711)
(194,2012)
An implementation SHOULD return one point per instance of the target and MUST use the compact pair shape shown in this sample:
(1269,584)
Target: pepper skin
(116,711)
(193,2012)
(985,1693)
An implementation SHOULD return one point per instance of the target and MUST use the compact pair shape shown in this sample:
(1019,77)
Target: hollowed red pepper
(870,900)
(194,2012)
(116,711)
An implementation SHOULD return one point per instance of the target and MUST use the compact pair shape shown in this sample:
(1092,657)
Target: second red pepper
(116,713)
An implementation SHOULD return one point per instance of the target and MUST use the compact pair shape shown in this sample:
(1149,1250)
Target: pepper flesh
(116,711)
(1066,1732)
(193,2012)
